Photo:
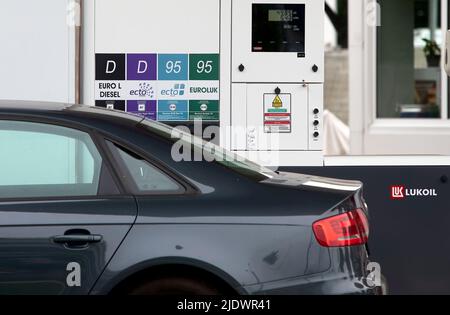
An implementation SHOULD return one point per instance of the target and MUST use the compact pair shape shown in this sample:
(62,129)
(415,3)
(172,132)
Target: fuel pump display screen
(281,15)
(278,28)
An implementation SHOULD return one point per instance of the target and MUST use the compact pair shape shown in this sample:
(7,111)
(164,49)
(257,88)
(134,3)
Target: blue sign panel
(173,67)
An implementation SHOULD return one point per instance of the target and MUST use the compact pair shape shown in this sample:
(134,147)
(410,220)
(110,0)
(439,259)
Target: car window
(43,160)
(146,177)
(219,155)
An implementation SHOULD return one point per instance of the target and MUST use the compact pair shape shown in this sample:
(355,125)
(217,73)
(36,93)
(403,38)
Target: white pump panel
(277,81)
(296,97)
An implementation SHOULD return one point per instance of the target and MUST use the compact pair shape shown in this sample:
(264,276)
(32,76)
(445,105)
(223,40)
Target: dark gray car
(93,202)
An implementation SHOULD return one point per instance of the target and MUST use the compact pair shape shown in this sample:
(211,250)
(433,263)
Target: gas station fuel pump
(253,67)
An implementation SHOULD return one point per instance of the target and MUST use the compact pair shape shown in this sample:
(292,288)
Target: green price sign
(204,67)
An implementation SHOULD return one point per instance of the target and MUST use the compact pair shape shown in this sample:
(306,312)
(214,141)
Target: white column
(356,75)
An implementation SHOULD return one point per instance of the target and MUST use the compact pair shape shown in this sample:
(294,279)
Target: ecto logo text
(177,90)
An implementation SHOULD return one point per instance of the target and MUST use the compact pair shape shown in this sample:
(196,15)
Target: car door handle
(71,239)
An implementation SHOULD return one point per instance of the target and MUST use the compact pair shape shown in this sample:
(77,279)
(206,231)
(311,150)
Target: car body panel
(248,254)
(31,263)
(254,233)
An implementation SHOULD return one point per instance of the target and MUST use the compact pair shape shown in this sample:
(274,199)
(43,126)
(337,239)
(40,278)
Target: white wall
(36,51)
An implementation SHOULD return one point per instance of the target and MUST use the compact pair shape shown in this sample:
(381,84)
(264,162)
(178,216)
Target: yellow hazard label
(277,102)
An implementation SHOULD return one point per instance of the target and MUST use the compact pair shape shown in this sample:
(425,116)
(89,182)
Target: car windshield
(210,151)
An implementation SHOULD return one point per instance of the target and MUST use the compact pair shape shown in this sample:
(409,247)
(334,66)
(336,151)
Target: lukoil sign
(401,192)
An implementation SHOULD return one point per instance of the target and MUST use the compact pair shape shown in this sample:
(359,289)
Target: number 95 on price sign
(173,67)
(203,67)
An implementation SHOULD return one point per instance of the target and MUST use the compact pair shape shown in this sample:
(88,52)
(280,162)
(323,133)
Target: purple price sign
(141,67)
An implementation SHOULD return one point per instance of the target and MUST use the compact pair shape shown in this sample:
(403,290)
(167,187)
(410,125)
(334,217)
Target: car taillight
(348,229)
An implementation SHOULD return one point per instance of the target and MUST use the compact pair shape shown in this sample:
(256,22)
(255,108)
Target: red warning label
(277,113)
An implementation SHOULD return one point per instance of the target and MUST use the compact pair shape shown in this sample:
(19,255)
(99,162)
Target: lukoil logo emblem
(177,90)
(399,192)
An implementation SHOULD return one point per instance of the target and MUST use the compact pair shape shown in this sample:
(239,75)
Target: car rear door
(62,213)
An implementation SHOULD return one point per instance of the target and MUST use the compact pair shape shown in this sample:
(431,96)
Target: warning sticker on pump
(277,113)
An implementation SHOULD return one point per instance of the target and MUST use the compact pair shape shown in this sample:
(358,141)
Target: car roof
(13,105)
(46,108)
